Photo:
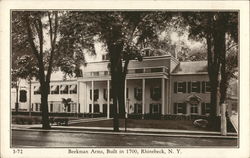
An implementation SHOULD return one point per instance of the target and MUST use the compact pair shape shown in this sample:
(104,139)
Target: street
(81,139)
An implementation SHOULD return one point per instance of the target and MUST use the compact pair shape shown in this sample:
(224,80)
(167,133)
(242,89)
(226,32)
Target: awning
(36,88)
(72,87)
(63,87)
(54,88)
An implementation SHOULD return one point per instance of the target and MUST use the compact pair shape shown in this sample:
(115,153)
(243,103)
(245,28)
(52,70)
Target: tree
(36,34)
(213,27)
(123,35)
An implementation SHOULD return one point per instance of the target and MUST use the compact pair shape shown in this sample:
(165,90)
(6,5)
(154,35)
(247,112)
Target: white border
(243,6)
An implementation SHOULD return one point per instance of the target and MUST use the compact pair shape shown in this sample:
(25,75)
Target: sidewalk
(130,131)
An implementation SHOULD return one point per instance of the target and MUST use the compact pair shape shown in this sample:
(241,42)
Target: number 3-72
(17,151)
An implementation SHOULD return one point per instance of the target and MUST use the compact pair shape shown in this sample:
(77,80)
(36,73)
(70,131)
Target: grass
(156,124)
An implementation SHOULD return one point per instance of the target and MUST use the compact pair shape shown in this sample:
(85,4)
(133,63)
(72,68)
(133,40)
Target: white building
(157,85)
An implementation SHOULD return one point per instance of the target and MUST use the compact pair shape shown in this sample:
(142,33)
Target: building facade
(156,85)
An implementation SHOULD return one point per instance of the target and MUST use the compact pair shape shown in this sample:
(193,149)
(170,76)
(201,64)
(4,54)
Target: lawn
(156,124)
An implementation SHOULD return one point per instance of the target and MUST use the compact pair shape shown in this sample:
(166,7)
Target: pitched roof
(190,67)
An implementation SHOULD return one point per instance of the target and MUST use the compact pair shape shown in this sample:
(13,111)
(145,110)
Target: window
(138,70)
(195,87)
(23,96)
(37,90)
(194,109)
(156,69)
(137,108)
(90,108)
(180,108)
(104,108)
(155,93)
(96,94)
(37,107)
(95,73)
(138,93)
(51,107)
(180,87)
(96,108)
(205,108)
(54,89)
(64,89)
(207,87)
(155,108)
(73,89)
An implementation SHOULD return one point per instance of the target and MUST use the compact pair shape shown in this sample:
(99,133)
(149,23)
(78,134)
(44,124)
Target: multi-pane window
(138,93)
(73,89)
(155,93)
(180,87)
(37,90)
(138,70)
(138,108)
(64,89)
(194,108)
(205,108)
(105,94)
(23,96)
(96,94)
(96,108)
(156,69)
(155,108)
(195,87)
(207,87)
(54,89)
(180,108)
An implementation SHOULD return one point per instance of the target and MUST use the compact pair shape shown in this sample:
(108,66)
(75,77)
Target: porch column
(143,96)
(92,94)
(108,100)
(77,101)
(163,96)
(125,98)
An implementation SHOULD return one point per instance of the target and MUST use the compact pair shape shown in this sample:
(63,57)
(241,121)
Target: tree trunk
(44,105)
(121,97)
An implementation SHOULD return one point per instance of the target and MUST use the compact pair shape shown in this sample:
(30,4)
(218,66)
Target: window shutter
(175,108)
(151,108)
(184,85)
(90,94)
(97,91)
(135,92)
(90,108)
(136,108)
(23,96)
(203,87)
(203,108)
(198,86)
(189,87)
(127,93)
(184,108)
(175,87)
(104,94)
(151,93)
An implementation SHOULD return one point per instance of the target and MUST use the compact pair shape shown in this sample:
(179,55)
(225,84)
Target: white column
(78,96)
(163,96)
(125,98)
(143,96)
(108,100)
(92,94)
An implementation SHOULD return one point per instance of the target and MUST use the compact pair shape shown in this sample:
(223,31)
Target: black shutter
(90,96)
(97,94)
(136,108)
(151,93)
(175,87)
(159,106)
(151,108)
(127,93)
(23,96)
(198,86)
(175,108)
(189,87)
(184,87)
(203,108)
(184,108)
(104,94)
(203,87)
(135,91)
(90,108)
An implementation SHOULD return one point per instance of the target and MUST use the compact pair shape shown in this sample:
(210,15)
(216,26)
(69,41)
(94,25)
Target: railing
(130,71)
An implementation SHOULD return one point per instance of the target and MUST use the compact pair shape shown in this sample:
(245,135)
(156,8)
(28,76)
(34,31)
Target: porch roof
(191,67)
